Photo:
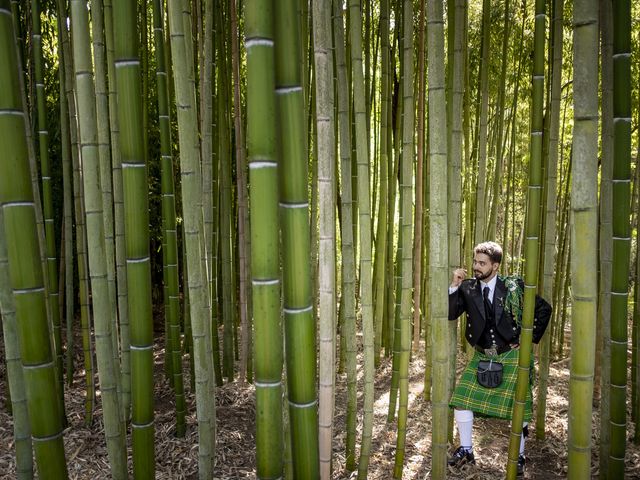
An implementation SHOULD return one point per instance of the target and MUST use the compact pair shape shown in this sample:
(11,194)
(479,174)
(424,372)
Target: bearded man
(493,305)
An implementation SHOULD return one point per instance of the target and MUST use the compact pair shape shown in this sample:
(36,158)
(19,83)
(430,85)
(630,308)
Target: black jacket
(468,298)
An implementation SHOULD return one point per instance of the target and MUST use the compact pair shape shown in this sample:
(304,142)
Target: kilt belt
(492,402)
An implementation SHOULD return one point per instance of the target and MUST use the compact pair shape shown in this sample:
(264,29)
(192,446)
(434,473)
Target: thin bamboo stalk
(348,298)
(324,95)
(531,243)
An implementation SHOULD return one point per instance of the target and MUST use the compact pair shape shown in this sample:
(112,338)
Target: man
(494,313)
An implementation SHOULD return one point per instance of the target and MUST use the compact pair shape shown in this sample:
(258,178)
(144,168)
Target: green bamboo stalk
(380,265)
(118,210)
(47,200)
(499,130)
(25,270)
(104,152)
(408,133)
(300,326)
(265,266)
(215,201)
(81,248)
(207,150)
(348,297)
(134,180)
(101,300)
(603,346)
(551,199)
(15,376)
(67,228)
(83,269)
(324,106)
(621,231)
(419,218)
(454,165)
(584,205)
(70,296)
(225,212)
(170,236)
(364,218)
(194,239)
(244,287)
(397,318)
(483,93)
(438,251)
(392,272)
(531,233)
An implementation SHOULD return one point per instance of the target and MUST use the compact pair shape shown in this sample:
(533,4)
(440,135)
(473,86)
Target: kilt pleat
(491,402)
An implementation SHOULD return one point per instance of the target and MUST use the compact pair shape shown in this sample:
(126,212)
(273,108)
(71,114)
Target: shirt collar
(491,284)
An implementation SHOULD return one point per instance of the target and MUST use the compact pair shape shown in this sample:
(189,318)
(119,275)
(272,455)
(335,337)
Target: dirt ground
(235,454)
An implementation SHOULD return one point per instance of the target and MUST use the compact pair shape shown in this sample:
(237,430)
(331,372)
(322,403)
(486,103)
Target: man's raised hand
(459,274)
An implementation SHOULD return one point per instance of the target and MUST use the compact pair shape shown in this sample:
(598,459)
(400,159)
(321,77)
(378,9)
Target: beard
(481,275)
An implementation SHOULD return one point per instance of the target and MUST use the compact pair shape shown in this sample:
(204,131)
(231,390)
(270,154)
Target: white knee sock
(522,437)
(464,421)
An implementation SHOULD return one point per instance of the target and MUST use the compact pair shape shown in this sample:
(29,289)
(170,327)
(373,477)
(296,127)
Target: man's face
(483,267)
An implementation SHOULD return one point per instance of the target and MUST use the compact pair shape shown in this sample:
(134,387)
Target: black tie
(488,307)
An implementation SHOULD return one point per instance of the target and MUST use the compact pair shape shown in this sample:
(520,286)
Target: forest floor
(177,458)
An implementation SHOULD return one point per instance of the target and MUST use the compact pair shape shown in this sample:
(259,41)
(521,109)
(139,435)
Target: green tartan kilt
(491,402)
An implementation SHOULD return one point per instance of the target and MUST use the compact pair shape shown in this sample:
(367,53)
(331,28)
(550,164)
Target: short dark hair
(491,249)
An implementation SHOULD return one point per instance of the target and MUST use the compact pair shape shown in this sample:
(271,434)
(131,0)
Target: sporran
(489,373)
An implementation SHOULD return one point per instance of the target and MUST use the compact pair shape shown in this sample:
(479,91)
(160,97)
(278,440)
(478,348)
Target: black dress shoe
(521,462)
(461,457)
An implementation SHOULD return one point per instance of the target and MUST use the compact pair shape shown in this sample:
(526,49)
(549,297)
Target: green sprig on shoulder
(513,302)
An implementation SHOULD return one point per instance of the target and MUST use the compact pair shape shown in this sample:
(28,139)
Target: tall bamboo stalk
(531,233)
(551,199)
(244,286)
(348,297)
(190,174)
(25,269)
(67,183)
(47,200)
(621,231)
(380,266)
(101,300)
(78,212)
(584,205)
(104,154)
(300,326)
(418,309)
(438,241)
(136,215)
(169,233)
(118,214)
(323,63)
(225,211)
(364,217)
(408,133)
(483,93)
(263,171)
(499,129)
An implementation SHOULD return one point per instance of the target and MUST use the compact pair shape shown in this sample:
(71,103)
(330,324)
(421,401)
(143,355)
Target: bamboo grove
(274,194)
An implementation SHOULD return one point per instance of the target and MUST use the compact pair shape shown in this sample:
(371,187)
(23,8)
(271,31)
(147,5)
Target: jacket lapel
(499,297)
